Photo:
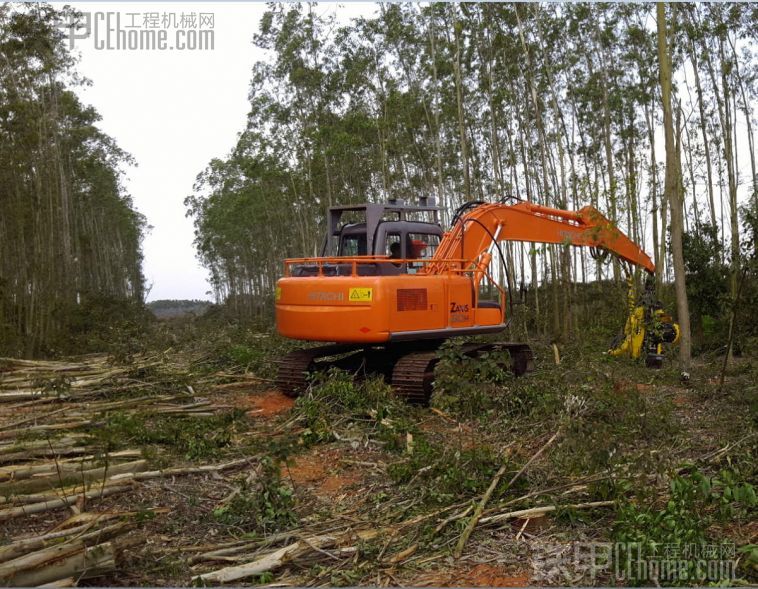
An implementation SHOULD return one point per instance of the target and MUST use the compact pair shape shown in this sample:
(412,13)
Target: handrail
(364,259)
(453,265)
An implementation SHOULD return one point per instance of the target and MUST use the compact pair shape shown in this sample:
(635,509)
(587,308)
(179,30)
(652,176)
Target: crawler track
(294,368)
(409,371)
(413,376)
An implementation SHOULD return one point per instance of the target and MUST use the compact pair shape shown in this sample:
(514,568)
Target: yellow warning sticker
(360,295)
(278,292)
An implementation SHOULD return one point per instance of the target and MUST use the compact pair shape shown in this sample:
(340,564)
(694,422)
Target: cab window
(421,246)
(353,245)
(393,246)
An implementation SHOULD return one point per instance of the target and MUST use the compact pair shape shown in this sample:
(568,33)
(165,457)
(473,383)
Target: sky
(173,111)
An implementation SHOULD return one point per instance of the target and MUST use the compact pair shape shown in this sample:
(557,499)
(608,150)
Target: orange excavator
(391,286)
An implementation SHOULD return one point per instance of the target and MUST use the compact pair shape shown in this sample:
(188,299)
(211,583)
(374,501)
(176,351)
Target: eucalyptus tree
(69,235)
(673,189)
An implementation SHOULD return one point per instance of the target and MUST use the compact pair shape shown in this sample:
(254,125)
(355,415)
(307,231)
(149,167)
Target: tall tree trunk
(436,106)
(673,194)
(457,26)
(704,133)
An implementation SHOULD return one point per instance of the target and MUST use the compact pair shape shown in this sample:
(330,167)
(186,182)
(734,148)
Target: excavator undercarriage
(408,367)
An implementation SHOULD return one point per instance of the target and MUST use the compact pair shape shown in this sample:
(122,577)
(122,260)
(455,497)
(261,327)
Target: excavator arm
(474,232)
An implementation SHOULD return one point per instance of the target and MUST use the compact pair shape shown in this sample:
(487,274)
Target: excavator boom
(473,232)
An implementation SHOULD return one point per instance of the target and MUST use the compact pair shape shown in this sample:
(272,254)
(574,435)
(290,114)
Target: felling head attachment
(647,328)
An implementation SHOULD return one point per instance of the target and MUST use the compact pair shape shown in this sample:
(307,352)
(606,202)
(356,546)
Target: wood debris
(50,461)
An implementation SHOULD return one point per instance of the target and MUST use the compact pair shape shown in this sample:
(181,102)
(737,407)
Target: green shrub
(442,474)
(193,437)
(254,353)
(334,399)
(616,419)
(467,386)
(262,506)
(696,501)
(484,388)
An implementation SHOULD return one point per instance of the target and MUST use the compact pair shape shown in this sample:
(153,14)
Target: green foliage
(101,322)
(749,214)
(242,355)
(707,283)
(747,322)
(193,437)
(442,474)
(234,347)
(484,388)
(262,506)
(335,399)
(696,501)
(144,516)
(616,416)
(468,386)
(255,353)
(598,310)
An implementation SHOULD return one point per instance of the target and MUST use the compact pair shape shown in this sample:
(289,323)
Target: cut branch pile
(50,462)
(257,558)
(84,546)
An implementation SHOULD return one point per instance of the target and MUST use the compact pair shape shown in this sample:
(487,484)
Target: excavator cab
(394,230)
(352,240)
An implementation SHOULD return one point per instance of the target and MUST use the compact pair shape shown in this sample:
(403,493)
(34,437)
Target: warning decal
(360,295)
(278,292)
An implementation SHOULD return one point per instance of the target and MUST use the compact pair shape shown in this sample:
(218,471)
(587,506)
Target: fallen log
(14,433)
(8,447)
(36,453)
(478,512)
(67,582)
(68,474)
(538,511)
(59,503)
(25,471)
(183,470)
(21,547)
(34,418)
(92,561)
(277,558)
(34,551)
(27,545)
(223,553)
(20,396)
(52,365)
(36,501)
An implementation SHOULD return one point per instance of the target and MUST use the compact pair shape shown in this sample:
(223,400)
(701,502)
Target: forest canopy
(70,237)
(558,104)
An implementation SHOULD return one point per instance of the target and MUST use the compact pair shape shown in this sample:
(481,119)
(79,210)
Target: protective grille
(411,299)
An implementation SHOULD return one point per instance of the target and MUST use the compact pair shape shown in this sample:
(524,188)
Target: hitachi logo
(326,296)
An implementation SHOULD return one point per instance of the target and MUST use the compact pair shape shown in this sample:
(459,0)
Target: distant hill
(168,308)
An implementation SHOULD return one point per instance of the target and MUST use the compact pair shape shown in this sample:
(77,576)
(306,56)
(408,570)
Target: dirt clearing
(159,473)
